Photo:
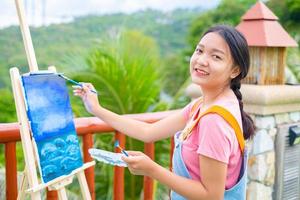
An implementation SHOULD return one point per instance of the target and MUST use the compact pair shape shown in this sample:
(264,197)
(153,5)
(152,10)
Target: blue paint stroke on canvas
(51,120)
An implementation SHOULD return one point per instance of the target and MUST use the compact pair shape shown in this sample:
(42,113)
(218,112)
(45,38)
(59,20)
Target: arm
(139,130)
(212,182)
(146,132)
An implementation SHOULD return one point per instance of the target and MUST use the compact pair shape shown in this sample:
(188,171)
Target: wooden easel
(30,177)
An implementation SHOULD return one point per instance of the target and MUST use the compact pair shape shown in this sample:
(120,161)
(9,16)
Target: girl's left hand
(139,163)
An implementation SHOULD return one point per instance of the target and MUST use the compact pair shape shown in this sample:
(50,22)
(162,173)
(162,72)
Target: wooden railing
(86,128)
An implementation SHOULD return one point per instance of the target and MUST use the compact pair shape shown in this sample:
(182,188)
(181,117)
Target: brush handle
(123,151)
(76,83)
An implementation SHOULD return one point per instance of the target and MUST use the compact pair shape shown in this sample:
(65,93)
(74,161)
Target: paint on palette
(51,120)
(108,157)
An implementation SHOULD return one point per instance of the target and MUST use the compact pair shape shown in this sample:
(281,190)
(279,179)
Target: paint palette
(108,157)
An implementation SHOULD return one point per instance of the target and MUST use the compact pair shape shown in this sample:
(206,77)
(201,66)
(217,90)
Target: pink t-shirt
(215,138)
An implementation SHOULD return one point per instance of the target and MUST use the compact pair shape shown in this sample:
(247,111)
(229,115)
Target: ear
(235,72)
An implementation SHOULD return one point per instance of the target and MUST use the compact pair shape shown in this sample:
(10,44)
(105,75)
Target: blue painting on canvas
(51,120)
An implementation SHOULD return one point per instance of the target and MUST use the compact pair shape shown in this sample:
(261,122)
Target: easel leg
(62,195)
(83,185)
(23,186)
(35,196)
(31,173)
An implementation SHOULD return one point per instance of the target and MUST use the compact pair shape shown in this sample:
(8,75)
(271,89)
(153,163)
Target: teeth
(201,71)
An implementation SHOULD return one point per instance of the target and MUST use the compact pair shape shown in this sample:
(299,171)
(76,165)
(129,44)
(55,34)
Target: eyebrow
(213,49)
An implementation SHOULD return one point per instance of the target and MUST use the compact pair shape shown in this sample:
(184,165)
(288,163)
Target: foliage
(54,43)
(67,46)
(59,44)
(288,11)
(82,50)
(7,107)
(293,61)
(227,12)
(294,10)
(125,74)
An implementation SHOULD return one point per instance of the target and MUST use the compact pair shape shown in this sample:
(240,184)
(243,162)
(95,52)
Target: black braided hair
(240,54)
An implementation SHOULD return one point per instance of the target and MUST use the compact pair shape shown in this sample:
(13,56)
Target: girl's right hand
(89,98)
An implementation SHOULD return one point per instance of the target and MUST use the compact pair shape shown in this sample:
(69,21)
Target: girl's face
(211,64)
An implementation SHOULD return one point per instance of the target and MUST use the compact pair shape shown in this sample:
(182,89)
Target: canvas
(51,121)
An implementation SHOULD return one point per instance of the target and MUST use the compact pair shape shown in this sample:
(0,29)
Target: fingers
(133,157)
(133,163)
(134,153)
(88,86)
(80,90)
(128,159)
(138,163)
(76,87)
(85,88)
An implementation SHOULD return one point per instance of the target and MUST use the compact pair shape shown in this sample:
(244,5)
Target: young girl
(209,159)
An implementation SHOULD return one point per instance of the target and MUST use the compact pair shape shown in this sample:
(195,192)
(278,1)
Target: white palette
(107,157)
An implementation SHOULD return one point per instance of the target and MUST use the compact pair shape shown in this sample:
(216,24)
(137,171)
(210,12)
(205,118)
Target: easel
(30,173)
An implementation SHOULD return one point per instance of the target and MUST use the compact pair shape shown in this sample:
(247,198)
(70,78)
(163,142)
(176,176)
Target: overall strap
(195,106)
(226,115)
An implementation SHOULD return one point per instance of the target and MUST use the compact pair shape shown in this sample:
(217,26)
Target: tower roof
(261,28)
(259,11)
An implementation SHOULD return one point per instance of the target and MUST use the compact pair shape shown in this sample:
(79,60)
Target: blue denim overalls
(238,191)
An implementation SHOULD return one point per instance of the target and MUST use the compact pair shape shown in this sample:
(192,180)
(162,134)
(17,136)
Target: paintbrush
(117,145)
(76,83)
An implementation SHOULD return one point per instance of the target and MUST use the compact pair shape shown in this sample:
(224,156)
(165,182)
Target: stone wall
(261,165)
(270,107)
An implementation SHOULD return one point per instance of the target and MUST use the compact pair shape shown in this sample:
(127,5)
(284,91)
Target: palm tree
(124,69)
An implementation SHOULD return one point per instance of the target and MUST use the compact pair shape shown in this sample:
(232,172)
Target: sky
(40,12)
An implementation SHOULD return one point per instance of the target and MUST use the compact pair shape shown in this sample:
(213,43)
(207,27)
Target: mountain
(57,44)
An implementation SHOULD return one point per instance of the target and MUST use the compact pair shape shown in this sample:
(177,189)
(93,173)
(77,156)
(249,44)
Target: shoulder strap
(227,116)
(195,106)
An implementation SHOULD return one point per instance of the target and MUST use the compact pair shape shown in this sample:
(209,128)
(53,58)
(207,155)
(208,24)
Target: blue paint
(51,120)
(117,145)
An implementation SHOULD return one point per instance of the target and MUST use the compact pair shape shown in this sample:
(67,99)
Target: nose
(202,59)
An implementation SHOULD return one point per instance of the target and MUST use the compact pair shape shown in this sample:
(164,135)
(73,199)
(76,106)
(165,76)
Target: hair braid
(247,121)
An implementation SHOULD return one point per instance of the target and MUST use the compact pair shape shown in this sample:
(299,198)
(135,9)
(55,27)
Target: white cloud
(62,10)
(55,122)
(37,100)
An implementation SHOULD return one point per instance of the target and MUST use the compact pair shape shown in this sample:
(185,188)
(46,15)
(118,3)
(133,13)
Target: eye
(198,50)
(216,57)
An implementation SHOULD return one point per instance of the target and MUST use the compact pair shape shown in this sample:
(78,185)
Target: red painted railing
(85,127)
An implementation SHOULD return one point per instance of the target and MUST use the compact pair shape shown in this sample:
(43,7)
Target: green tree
(7,107)
(124,69)
(288,12)
(294,10)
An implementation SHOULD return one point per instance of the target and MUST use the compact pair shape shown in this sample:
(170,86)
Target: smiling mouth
(201,72)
